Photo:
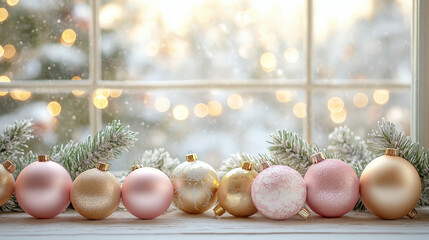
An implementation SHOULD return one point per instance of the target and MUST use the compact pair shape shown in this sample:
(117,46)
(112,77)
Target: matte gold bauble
(7,182)
(390,186)
(96,193)
(195,184)
(234,192)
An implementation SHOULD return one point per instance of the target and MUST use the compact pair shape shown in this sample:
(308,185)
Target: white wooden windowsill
(178,225)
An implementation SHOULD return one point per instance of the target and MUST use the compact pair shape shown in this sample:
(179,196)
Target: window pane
(45,39)
(359,110)
(213,39)
(362,40)
(71,120)
(213,124)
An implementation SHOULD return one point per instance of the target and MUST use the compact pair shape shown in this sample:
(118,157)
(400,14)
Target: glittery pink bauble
(332,188)
(147,192)
(278,192)
(43,189)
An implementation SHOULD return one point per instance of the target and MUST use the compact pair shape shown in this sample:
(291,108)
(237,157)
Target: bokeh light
(115,93)
(300,110)
(100,101)
(283,96)
(12,2)
(1,51)
(235,101)
(3,14)
(162,104)
(4,79)
(77,93)
(268,62)
(201,110)
(180,112)
(54,108)
(335,104)
(68,37)
(339,117)
(215,108)
(103,91)
(381,96)
(110,15)
(9,51)
(20,95)
(291,55)
(360,100)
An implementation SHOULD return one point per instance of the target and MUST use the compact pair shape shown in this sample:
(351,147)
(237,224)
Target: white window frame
(419,87)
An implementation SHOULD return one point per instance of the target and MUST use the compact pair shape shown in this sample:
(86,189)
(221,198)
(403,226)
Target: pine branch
(12,205)
(14,139)
(388,136)
(159,159)
(291,150)
(106,145)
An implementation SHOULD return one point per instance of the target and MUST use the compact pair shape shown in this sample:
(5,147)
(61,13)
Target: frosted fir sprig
(387,135)
(159,159)
(288,148)
(351,148)
(235,160)
(12,205)
(106,145)
(14,138)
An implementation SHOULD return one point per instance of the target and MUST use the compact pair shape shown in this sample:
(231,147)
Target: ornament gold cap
(412,214)
(218,210)
(304,213)
(9,166)
(134,167)
(43,158)
(247,166)
(266,165)
(191,157)
(318,157)
(391,152)
(103,167)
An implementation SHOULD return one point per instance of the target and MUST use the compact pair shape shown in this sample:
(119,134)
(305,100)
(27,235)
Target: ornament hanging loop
(412,214)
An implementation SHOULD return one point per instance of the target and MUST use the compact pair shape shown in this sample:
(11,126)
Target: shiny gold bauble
(195,184)
(96,193)
(234,192)
(390,186)
(7,182)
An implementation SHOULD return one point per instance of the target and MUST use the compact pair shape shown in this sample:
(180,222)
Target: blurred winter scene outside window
(354,70)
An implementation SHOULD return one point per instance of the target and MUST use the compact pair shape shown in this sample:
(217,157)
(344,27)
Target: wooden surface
(178,225)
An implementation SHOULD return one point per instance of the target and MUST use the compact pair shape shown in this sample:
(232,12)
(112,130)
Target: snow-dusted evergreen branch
(14,139)
(235,160)
(158,158)
(388,136)
(106,145)
(12,205)
(351,148)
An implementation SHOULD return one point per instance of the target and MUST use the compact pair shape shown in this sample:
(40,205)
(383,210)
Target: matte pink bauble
(279,192)
(43,188)
(147,192)
(332,186)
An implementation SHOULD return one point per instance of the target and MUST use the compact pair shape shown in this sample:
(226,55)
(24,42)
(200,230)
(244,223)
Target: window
(213,76)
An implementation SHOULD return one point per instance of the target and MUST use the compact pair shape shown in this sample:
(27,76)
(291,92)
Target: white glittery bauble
(279,192)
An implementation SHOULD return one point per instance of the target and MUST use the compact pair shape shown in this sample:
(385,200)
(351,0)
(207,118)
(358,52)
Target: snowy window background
(210,76)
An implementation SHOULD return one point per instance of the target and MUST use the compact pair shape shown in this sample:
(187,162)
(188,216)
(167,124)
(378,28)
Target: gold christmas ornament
(7,182)
(96,193)
(234,192)
(390,186)
(195,184)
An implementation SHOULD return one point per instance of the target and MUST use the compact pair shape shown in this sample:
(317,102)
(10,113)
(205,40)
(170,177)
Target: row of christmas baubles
(389,187)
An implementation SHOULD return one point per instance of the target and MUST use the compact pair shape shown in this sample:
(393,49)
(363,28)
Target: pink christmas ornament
(43,188)
(147,192)
(279,192)
(332,186)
